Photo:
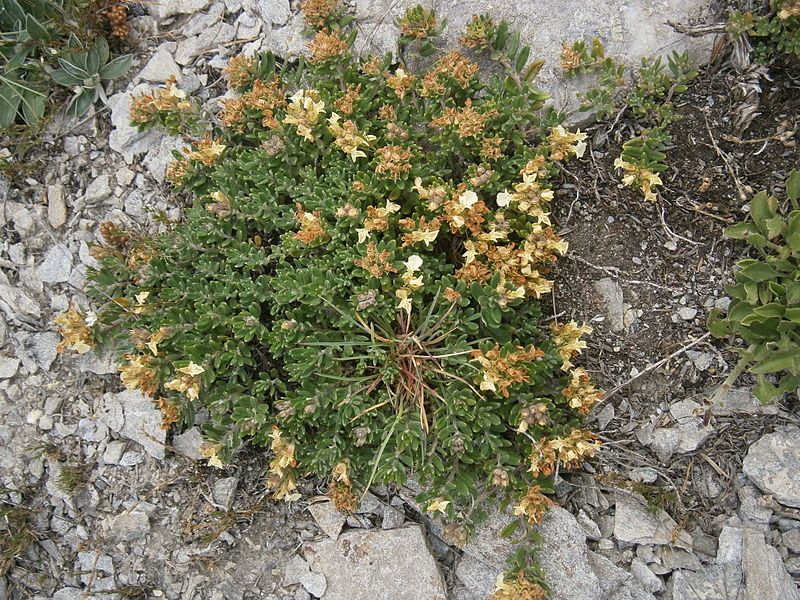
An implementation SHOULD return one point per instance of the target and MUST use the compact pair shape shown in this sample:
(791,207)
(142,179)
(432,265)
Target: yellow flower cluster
(346,104)
(401,82)
(452,66)
(570,59)
(528,198)
(581,393)
(500,370)
(424,231)
(188,382)
(394,161)
(75,332)
(239,71)
(377,219)
(145,108)
(311,227)
(169,413)
(282,479)
(376,263)
(567,338)
(304,111)
(564,144)
(465,210)
(533,505)
(139,374)
(326,45)
(340,489)
(412,281)
(348,137)
(518,588)
(177,171)
(469,121)
(641,176)
(534,414)
(265,97)
(207,151)
(419,25)
(317,11)
(789,9)
(570,451)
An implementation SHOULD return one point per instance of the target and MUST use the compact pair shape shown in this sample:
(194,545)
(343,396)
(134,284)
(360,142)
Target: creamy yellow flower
(363,234)
(191,369)
(438,505)
(405,300)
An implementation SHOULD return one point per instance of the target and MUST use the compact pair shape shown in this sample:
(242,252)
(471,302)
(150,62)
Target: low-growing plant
(41,44)
(765,296)
(355,284)
(16,534)
(650,100)
(775,27)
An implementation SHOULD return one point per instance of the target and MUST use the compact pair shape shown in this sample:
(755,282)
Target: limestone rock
(764,572)
(773,462)
(564,558)
(392,564)
(742,401)
(609,293)
(161,65)
(328,518)
(628,30)
(635,523)
(56,266)
(189,443)
(716,582)
(56,207)
(167,8)
(274,13)
(8,367)
(224,491)
(132,415)
(124,138)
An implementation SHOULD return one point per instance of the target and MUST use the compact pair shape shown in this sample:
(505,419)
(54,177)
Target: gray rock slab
(564,558)
(189,443)
(773,464)
(132,415)
(378,564)
(8,367)
(56,266)
(168,8)
(476,576)
(161,65)
(635,523)
(56,207)
(16,304)
(124,138)
(609,292)
(616,583)
(764,572)
(328,518)
(224,491)
(130,525)
(743,401)
(716,582)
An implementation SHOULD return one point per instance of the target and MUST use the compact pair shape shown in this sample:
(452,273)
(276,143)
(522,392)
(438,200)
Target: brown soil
(671,254)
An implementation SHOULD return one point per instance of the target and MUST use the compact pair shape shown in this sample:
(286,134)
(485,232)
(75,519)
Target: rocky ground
(685,502)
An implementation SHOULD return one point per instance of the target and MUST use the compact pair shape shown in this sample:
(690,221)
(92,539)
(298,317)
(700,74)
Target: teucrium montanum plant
(355,284)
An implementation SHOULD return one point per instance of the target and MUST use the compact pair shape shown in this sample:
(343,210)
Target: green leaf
(9,104)
(522,58)
(774,226)
(773,309)
(35,28)
(508,530)
(718,326)
(740,231)
(61,77)
(513,45)
(33,108)
(762,208)
(501,37)
(793,185)
(764,390)
(758,272)
(793,314)
(780,360)
(792,235)
(116,67)
(81,102)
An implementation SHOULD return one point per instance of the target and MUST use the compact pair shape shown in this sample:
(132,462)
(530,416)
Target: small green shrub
(765,296)
(776,28)
(355,284)
(41,45)
(649,99)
